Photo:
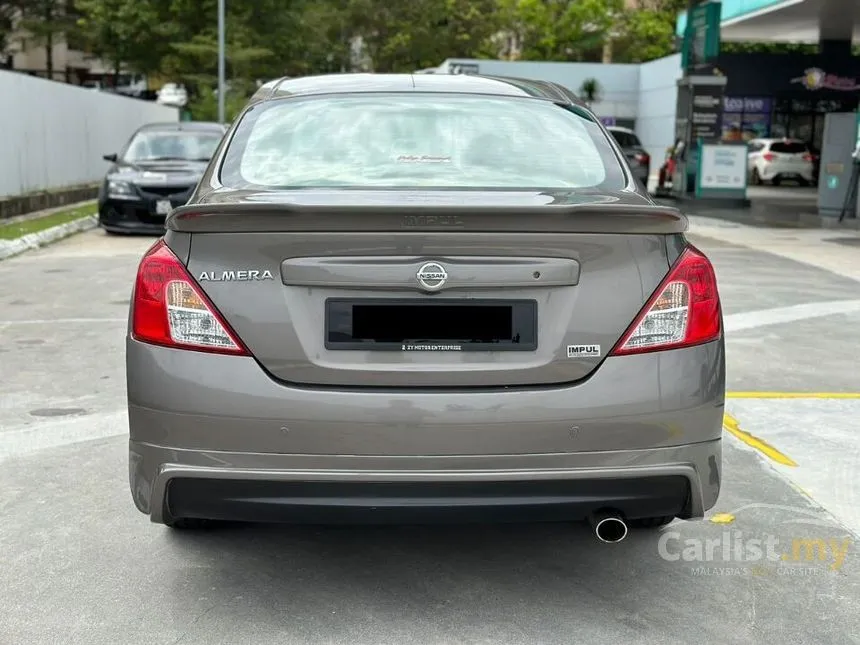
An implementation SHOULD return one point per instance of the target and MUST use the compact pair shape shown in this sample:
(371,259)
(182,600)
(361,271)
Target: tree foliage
(121,31)
(8,13)
(176,40)
(562,30)
(44,21)
(590,90)
(265,38)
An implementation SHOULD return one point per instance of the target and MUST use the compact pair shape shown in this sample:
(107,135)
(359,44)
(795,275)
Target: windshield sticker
(423,159)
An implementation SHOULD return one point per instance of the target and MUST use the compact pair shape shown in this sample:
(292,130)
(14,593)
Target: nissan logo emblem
(432,276)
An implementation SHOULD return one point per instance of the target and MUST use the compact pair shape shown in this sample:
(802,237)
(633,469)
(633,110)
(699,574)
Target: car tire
(651,522)
(776,181)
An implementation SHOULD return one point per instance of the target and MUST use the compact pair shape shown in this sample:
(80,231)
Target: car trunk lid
(443,289)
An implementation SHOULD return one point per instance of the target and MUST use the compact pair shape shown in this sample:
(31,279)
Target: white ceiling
(798,21)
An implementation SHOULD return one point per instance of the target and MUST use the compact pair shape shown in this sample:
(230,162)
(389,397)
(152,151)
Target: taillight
(683,311)
(643,158)
(808,157)
(169,308)
(768,156)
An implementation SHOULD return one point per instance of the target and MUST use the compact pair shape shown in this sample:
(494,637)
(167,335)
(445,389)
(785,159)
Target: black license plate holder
(407,325)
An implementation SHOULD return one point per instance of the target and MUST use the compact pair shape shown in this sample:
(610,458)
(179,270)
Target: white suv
(775,160)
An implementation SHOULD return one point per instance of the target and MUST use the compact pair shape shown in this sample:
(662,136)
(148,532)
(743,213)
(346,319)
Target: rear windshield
(155,145)
(626,139)
(788,148)
(426,141)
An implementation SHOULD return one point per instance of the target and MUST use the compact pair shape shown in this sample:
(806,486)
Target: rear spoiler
(592,217)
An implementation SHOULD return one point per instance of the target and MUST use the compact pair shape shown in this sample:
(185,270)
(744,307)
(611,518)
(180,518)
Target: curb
(10,248)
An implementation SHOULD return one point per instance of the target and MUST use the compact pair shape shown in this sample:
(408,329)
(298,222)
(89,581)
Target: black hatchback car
(155,172)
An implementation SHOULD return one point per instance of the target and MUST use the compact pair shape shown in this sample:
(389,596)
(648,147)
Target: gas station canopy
(802,21)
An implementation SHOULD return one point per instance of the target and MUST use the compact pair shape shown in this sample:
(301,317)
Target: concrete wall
(620,83)
(657,99)
(53,135)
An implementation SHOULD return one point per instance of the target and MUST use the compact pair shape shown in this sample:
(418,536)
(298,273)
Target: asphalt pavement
(81,565)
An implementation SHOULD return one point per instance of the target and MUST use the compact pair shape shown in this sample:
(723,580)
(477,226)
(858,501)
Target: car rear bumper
(769,172)
(217,436)
(683,481)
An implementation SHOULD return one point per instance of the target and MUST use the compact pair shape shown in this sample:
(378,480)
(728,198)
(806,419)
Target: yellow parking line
(793,395)
(731,424)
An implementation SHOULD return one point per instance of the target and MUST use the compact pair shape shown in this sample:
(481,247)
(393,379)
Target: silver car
(637,157)
(404,297)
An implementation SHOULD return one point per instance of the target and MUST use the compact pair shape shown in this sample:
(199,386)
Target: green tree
(122,32)
(561,30)
(47,22)
(590,90)
(8,12)
(645,30)
(646,34)
(769,48)
(420,33)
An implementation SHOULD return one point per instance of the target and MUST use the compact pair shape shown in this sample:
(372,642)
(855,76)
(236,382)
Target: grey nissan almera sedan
(423,297)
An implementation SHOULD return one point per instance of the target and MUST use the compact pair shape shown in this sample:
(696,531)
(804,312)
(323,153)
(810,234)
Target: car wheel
(776,181)
(803,182)
(756,178)
(651,522)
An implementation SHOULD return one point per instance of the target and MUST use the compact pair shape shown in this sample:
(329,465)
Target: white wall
(53,135)
(619,82)
(658,96)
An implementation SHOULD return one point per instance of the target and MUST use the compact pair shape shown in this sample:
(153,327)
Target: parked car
(637,157)
(155,172)
(396,297)
(172,94)
(778,160)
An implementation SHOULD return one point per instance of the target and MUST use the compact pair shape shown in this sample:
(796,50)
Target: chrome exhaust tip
(609,527)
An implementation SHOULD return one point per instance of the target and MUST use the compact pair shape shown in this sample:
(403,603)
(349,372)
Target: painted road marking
(821,435)
(731,424)
(723,518)
(793,395)
(63,321)
(794,313)
(62,432)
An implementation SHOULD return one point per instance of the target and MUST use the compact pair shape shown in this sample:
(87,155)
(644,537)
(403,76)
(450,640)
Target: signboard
(702,36)
(722,171)
(815,78)
(736,105)
(706,113)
